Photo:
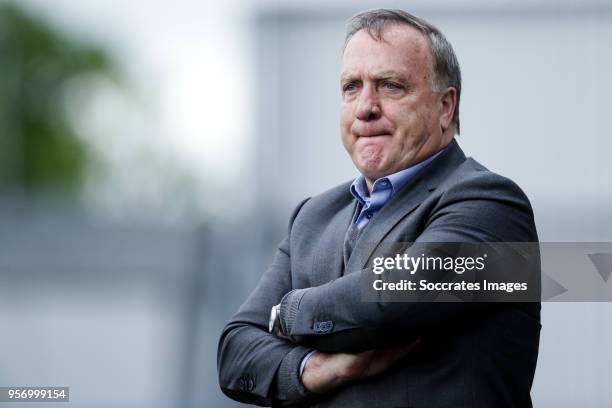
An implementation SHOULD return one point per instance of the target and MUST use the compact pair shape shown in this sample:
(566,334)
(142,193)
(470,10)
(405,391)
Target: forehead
(401,47)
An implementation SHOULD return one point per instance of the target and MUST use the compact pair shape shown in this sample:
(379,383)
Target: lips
(376,142)
(374,135)
(370,131)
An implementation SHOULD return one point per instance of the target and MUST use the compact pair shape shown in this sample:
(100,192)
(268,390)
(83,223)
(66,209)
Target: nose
(368,104)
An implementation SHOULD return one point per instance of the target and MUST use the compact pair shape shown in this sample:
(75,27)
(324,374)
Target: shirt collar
(394,181)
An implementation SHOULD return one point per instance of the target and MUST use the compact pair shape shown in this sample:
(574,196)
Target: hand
(324,372)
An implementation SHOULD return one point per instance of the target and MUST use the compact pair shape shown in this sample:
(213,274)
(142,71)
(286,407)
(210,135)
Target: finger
(367,354)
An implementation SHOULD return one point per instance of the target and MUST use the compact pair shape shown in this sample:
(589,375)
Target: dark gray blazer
(471,355)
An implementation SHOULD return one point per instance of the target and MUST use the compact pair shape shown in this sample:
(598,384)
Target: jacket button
(323,327)
(250,384)
(247,383)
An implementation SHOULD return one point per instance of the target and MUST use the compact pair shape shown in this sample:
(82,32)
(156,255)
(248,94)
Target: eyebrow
(345,77)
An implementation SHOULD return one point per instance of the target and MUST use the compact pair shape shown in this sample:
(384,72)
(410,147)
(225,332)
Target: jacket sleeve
(253,365)
(332,317)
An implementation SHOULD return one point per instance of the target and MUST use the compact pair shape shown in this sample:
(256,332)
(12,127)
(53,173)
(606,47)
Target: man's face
(390,117)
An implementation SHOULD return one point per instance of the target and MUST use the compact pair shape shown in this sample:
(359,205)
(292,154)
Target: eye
(391,85)
(349,87)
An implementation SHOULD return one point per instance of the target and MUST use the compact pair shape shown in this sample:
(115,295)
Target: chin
(371,166)
(372,173)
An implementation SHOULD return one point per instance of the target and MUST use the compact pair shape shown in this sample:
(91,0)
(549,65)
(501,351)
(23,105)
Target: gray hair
(446,71)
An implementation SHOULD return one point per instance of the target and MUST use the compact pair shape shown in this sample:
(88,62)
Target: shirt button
(369,215)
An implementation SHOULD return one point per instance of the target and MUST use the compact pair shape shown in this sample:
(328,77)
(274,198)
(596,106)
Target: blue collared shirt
(382,190)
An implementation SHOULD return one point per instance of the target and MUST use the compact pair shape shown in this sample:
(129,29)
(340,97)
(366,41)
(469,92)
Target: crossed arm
(257,367)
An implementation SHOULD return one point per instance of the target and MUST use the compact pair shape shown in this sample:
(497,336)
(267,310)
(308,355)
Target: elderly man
(305,337)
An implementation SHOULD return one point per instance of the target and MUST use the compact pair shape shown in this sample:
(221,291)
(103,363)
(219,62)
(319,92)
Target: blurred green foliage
(40,152)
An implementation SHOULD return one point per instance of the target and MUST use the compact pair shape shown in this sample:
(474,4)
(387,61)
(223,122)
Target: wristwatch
(274,325)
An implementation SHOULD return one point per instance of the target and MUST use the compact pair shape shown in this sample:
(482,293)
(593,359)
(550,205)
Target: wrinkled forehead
(398,45)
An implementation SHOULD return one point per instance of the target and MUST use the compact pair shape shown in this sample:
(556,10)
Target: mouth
(371,141)
(373,135)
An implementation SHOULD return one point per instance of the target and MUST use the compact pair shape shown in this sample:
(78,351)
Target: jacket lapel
(403,202)
(328,263)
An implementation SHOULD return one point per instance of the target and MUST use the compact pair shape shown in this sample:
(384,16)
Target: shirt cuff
(304,361)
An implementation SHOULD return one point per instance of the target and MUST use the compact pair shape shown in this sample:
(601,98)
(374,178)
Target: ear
(448,101)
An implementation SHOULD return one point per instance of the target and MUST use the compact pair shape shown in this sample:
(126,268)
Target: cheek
(346,116)
(412,125)
(346,121)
